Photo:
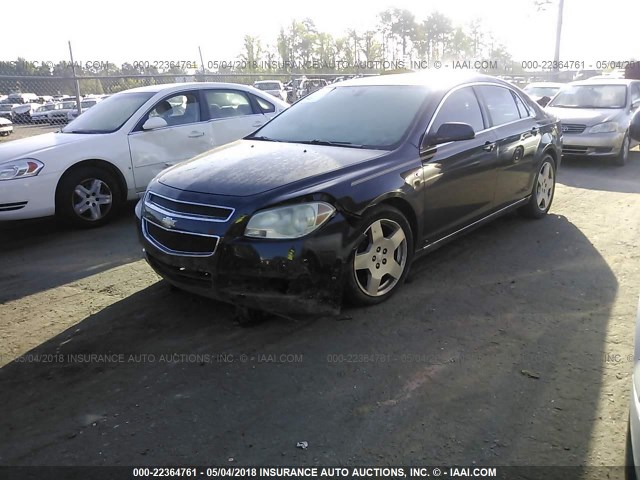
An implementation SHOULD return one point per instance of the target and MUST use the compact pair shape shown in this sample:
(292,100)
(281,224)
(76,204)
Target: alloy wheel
(92,199)
(381,259)
(545,186)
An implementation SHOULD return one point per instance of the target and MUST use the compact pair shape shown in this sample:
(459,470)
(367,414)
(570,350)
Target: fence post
(75,79)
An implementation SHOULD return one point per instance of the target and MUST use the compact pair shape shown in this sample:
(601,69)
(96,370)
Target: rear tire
(623,155)
(88,197)
(544,188)
(379,265)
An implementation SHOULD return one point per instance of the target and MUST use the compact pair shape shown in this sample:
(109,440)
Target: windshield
(591,96)
(6,107)
(108,115)
(88,104)
(542,91)
(46,108)
(368,116)
(268,86)
(69,105)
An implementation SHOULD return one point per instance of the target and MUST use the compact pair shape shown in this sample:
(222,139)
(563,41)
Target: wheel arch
(551,151)
(403,205)
(102,164)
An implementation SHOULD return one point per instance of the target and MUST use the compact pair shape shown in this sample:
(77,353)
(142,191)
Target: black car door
(518,138)
(459,177)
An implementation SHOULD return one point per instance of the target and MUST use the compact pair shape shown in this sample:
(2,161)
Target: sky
(127,31)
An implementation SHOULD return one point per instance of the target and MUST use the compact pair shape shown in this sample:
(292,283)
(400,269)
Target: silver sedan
(595,116)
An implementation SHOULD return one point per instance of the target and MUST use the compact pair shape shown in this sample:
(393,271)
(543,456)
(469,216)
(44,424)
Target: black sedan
(342,191)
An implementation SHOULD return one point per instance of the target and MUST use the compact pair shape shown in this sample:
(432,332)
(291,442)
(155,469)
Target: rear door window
(500,104)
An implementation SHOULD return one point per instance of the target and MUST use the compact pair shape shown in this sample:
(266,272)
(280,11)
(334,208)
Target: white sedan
(110,153)
(6,126)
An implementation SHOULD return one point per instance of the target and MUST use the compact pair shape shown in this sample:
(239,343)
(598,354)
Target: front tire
(88,197)
(543,191)
(379,265)
(623,155)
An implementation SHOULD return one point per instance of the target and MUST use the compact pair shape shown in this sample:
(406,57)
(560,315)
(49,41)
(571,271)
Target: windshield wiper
(331,143)
(83,131)
(262,137)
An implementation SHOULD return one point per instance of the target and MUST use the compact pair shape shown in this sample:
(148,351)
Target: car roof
(604,81)
(546,84)
(441,79)
(179,86)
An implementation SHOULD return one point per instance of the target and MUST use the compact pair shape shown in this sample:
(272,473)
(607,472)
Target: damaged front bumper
(295,277)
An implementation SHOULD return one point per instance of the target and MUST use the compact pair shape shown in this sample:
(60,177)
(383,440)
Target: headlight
(607,127)
(26,167)
(292,221)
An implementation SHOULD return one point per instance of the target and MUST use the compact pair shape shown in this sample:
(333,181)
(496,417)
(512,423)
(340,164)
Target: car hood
(250,167)
(32,146)
(584,116)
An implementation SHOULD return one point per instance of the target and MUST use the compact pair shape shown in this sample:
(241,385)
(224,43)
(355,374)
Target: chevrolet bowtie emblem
(168,222)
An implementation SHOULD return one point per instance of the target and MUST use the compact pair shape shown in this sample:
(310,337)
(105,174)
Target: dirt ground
(24,131)
(510,346)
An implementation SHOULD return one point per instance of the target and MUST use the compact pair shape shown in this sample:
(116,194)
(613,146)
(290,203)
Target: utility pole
(73,70)
(556,57)
(202,63)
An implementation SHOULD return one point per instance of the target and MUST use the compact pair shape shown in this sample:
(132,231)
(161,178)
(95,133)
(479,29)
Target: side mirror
(544,101)
(635,104)
(634,127)
(154,123)
(450,132)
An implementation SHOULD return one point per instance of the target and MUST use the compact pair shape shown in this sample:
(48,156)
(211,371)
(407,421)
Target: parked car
(292,88)
(632,454)
(110,153)
(341,192)
(595,117)
(41,114)
(6,127)
(59,115)
(585,74)
(22,98)
(543,92)
(84,105)
(6,110)
(22,113)
(310,85)
(272,87)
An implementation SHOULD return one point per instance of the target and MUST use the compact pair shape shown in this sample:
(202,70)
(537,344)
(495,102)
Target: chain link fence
(46,99)
(34,99)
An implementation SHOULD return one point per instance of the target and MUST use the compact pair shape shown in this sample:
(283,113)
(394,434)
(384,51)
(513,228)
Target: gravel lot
(23,131)
(509,346)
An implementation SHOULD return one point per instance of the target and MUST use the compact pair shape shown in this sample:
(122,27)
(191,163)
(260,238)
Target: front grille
(574,150)
(178,242)
(212,213)
(573,128)
(8,207)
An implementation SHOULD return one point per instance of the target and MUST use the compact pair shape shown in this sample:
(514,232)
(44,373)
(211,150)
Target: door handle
(489,146)
(196,134)
(257,124)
